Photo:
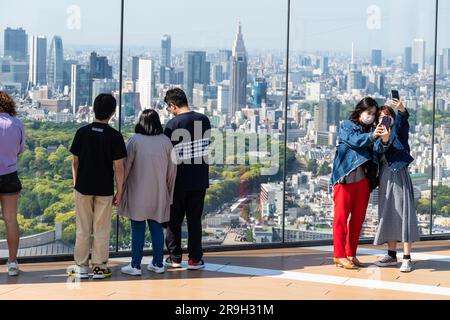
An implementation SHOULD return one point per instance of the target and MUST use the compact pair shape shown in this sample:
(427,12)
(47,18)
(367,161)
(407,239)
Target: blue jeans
(138,241)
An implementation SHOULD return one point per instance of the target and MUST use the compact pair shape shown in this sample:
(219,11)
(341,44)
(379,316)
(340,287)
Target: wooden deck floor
(290,273)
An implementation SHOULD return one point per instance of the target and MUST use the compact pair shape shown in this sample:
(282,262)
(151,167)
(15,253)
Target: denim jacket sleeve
(402,127)
(352,135)
(380,147)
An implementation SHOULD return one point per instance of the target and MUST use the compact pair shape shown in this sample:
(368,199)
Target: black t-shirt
(192,150)
(97,145)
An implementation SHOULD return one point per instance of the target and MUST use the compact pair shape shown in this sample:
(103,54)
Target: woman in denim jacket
(353,176)
(396,209)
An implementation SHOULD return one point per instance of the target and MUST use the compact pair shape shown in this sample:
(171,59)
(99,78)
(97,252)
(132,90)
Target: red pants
(353,199)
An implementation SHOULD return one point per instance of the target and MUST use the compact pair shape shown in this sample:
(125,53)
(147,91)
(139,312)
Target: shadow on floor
(272,261)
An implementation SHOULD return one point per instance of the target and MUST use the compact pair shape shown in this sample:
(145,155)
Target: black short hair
(177,97)
(149,123)
(104,106)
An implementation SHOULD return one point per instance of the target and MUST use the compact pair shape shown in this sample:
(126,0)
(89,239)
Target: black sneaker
(101,273)
(169,263)
(195,265)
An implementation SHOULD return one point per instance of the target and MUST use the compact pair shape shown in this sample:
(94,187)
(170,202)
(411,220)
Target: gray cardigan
(149,179)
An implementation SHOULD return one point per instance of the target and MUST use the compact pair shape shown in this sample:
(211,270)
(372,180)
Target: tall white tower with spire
(354,76)
(353,52)
(238,81)
(353,65)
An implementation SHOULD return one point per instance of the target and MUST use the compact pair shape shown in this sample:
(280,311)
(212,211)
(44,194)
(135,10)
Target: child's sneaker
(78,272)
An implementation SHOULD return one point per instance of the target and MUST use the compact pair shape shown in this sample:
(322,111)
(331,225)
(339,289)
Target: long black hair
(149,123)
(364,105)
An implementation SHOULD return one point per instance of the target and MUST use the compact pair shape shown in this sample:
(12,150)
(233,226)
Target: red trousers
(349,200)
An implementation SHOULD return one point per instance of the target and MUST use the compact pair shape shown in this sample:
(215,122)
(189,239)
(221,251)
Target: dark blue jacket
(398,151)
(355,147)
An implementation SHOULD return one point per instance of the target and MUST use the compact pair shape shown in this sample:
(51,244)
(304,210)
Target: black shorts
(10,184)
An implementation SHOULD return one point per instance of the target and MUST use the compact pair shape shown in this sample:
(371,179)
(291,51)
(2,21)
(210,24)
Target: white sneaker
(154,268)
(13,268)
(128,269)
(406,266)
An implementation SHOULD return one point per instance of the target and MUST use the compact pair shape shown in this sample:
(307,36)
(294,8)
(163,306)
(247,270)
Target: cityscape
(242,93)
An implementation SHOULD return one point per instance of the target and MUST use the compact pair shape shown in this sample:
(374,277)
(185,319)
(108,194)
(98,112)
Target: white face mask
(368,120)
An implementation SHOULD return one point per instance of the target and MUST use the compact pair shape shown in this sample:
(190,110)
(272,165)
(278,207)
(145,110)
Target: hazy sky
(327,25)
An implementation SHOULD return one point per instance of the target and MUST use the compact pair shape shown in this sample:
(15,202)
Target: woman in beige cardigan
(148,189)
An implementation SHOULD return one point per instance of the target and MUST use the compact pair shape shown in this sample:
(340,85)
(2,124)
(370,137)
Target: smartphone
(386,122)
(395,94)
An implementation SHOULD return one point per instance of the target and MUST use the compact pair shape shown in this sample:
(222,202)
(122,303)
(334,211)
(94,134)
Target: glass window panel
(201,53)
(56,56)
(340,53)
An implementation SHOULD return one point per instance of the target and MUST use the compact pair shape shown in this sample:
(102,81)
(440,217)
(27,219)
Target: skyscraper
(354,80)
(407,60)
(224,59)
(238,88)
(376,57)
(165,69)
(103,86)
(80,87)
(223,97)
(418,53)
(67,72)
(198,95)
(20,71)
(38,61)
(217,73)
(166,51)
(16,44)
(379,83)
(55,64)
(446,60)
(323,65)
(326,113)
(259,91)
(225,55)
(99,68)
(439,65)
(196,70)
(132,68)
(314,90)
(144,84)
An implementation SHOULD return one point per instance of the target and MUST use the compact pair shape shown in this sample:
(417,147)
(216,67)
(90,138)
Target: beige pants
(93,218)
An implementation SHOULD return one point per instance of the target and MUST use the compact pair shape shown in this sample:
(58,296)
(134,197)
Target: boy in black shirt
(190,134)
(96,148)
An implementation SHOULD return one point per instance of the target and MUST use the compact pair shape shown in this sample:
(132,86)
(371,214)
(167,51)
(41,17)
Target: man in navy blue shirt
(190,134)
